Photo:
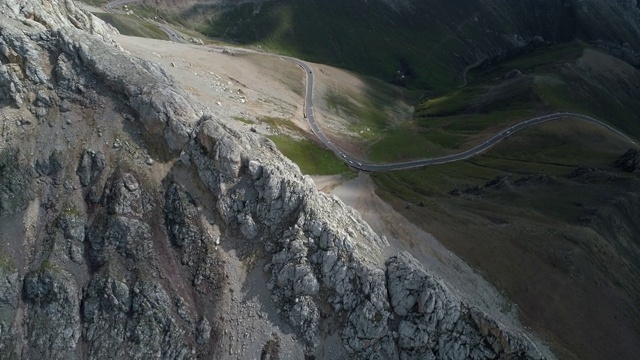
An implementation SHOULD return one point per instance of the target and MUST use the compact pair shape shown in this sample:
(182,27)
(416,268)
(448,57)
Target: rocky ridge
(105,254)
(629,161)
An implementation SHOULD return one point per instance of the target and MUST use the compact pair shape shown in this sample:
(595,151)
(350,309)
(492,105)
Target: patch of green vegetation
(501,96)
(437,136)
(96,3)
(406,143)
(311,158)
(399,145)
(366,118)
(473,124)
(539,60)
(132,25)
(341,102)
(276,122)
(448,104)
(6,262)
(370,112)
(553,93)
(554,149)
(368,39)
(71,212)
(378,317)
(244,120)
(47,266)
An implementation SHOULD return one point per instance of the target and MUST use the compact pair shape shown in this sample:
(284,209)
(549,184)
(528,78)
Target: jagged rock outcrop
(131,321)
(9,295)
(90,167)
(15,186)
(53,303)
(119,257)
(629,161)
(319,255)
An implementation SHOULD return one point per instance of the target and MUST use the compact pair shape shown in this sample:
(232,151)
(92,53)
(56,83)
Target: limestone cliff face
(133,227)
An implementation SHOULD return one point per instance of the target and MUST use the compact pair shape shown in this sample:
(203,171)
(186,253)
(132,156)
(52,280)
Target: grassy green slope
(311,158)
(423,45)
(408,46)
(566,77)
(133,26)
(540,234)
(345,34)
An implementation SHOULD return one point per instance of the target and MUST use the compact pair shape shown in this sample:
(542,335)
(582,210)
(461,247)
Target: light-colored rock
(105,259)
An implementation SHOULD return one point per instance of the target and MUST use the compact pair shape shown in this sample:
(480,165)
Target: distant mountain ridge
(422,44)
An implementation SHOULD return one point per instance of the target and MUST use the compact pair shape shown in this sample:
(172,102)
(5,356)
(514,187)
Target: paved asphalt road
(308,112)
(489,143)
(355,163)
(361,165)
(110,7)
(173,35)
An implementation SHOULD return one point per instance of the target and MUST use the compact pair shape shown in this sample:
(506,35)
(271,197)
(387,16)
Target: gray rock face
(11,84)
(55,15)
(630,161)
(397,312)
(119,259)
(437,323)
(119,229)
(9,295)
(124,322)
(50,166)
(197,241)
(15,187)
(52,296)
(181,217)
(90,167)
(125,318)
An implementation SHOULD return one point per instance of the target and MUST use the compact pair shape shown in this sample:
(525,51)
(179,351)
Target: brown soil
(229,86)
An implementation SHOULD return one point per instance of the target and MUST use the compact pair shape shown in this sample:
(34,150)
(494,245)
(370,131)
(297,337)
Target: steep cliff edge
(132,226)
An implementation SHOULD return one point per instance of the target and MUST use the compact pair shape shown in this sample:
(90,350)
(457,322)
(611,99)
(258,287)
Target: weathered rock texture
(630,161)
(105,256)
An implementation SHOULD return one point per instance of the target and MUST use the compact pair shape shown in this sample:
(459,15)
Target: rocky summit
(133,225)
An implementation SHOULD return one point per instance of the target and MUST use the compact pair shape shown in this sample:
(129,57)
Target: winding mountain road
(489,143)
(172,34)
(373,167)
(117,3)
